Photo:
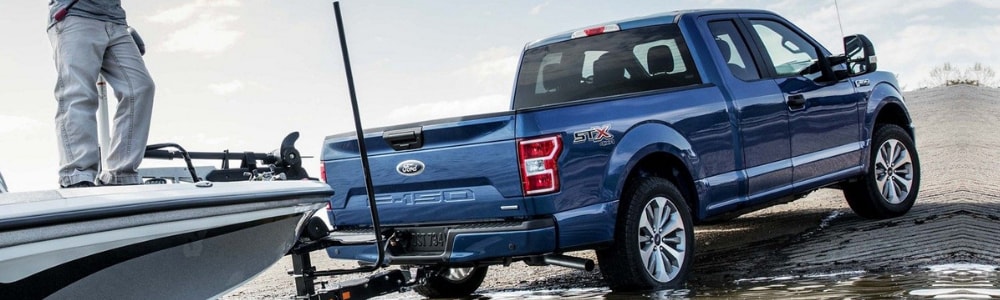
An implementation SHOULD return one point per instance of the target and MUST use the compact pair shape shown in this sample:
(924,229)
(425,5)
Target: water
(952,281)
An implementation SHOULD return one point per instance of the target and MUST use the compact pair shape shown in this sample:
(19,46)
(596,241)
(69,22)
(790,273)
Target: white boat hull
(171,241)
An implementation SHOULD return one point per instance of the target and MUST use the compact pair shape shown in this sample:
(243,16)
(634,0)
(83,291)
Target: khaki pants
(82,49)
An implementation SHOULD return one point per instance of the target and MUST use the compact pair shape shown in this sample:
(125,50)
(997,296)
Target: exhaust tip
(569,262)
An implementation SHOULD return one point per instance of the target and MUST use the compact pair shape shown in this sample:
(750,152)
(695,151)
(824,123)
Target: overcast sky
(240,74)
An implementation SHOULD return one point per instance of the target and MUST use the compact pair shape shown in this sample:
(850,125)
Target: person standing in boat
(91,37)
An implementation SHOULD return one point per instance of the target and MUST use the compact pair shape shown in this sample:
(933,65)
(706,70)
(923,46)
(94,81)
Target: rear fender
(639,142)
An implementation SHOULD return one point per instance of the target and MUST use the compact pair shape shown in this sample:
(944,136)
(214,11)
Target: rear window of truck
(608,64)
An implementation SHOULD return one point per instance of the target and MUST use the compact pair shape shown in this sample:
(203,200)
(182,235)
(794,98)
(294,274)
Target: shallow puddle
(952,281)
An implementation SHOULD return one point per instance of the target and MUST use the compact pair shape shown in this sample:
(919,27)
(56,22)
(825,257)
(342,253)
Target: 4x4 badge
(410,168)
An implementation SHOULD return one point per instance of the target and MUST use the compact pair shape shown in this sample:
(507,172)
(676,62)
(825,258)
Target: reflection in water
(955,281)
(952,281)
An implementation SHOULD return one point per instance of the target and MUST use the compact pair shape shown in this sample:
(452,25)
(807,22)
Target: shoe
(80,185)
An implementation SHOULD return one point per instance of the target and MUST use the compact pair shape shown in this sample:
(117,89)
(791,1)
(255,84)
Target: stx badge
(598,134)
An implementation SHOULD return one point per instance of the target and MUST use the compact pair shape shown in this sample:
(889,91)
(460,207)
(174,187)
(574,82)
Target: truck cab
(620,137)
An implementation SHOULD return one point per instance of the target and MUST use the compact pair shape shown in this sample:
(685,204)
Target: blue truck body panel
(641,125)
(587,225)
(482,144)
(732,143)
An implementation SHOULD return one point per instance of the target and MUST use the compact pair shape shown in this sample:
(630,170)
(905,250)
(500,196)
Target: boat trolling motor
(284,163)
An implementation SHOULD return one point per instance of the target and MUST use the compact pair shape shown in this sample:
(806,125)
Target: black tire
(668,246)
(453,282)
(883,192)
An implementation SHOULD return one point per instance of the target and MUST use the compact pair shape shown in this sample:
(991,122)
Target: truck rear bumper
(423,245)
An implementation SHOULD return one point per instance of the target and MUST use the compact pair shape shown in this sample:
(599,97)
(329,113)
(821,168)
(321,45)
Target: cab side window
(734,50)
(790,53)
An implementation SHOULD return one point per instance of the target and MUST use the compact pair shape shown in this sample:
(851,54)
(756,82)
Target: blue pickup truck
(622,136)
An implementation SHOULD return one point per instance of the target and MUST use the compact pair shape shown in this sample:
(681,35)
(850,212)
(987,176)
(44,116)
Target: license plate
(427,241)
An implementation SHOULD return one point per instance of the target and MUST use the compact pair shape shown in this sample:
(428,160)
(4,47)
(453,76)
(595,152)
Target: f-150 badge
(598,134)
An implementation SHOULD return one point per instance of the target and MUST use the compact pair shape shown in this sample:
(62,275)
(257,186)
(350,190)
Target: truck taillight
(322,171)
(539,164)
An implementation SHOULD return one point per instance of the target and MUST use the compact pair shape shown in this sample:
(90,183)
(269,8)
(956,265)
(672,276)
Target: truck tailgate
(460,170)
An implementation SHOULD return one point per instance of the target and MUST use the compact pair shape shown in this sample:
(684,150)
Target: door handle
(796,101)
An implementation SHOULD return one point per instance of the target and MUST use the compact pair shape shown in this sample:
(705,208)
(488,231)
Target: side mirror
(860,54)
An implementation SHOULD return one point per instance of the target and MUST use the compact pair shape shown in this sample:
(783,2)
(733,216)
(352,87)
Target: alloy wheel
(893,171)
(458,274)
(662,239)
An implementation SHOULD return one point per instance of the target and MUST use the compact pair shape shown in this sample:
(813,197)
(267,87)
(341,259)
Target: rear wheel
(890,187)
(453,282)
(654,239)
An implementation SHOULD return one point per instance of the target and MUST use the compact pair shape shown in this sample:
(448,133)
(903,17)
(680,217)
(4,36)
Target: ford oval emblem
(410,168)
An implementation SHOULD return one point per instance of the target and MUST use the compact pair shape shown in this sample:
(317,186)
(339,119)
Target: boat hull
(172,242)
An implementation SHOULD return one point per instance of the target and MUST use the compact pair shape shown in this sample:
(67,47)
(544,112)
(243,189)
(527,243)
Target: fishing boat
(178,241)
